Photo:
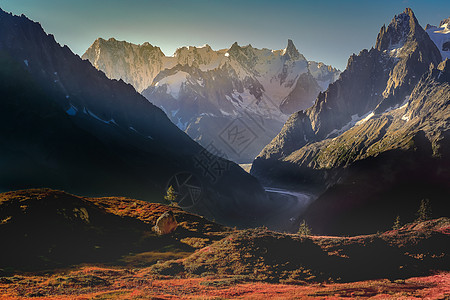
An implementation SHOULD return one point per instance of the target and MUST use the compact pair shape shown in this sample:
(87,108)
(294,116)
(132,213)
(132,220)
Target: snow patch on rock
(441,37)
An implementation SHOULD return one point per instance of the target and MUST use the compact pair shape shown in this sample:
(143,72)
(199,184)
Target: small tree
(304,229)
(171,196)
(397,224)
(424,212)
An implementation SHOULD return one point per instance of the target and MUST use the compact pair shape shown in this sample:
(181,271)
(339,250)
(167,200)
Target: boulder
(166,223)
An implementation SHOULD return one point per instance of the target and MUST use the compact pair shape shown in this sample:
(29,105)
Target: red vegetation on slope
(263,255)
(46,225)
(107,283)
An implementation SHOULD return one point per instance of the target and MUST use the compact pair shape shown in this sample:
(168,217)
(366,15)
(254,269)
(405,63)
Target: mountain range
(376,141)
(115,181)
(235,99)
(65,125)
(376,137)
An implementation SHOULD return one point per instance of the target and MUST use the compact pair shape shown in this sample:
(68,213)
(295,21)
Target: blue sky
(328,31)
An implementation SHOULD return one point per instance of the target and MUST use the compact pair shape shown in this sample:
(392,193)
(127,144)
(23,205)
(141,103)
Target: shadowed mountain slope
(65,125)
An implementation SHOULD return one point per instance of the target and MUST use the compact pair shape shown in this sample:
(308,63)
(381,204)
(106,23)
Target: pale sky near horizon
(322,30)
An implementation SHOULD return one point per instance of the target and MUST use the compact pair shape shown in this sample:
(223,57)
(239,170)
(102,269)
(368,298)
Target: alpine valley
(119,175)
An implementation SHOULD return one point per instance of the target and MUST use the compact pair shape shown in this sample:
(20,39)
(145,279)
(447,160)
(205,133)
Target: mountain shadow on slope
(69,127)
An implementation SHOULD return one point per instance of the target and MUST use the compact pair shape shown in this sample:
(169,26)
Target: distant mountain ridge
(204,91)
(138,65)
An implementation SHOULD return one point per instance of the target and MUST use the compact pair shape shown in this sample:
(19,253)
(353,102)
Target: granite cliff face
(378,135)
(206,92)
(66,125)
(373,82)
(135,64)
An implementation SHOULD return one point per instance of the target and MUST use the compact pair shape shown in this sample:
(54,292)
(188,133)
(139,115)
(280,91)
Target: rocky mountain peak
(148,45)
(114,43)
(402,27)
(429,26)
(244,55)
(184,49)
(411,51)
(179,50)
(203,57)
(234,47)
(445,22)
(244,49)
(373,82)
(207,47)
(291,51)
(98,41)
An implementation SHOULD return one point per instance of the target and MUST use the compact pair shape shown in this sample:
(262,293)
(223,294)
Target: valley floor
(112,283)
(292,204)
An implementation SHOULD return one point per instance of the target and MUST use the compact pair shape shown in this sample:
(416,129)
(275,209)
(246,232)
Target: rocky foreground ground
(60,246)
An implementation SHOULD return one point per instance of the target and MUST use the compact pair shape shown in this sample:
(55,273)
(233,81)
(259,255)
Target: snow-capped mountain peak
(445,22)
(441,37)
(199,85)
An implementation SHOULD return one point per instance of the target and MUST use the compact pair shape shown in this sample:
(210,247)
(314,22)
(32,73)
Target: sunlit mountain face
(234,100)
(374,138)
(268,169)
